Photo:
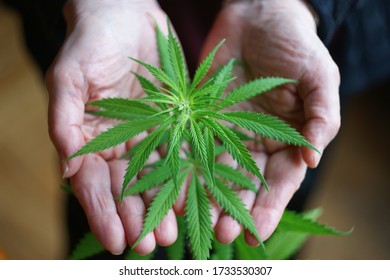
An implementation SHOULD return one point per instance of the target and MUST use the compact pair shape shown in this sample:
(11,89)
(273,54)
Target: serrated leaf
(158,74)
(160,96)
(199,144)
(150,89)
(292,221)
(222,251)
(267,126)
(234,206)
(117,135)
(176,251)
(174,144)
(162,99)
(242,251)
(135,148)
(152,179)
(210,149)
(283,244)
(252,89)
(125,105)
(203,99)
(147,85)
(198,219)
(205,65)
(162,46)
(245,137)
(223,77)
(110,114)
(219,149)
(235,147)
(87,247)
(234,176)
(145,148)
(161,204)
(177,60)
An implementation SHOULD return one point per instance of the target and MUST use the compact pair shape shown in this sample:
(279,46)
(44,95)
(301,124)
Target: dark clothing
(357,33)
(43,26)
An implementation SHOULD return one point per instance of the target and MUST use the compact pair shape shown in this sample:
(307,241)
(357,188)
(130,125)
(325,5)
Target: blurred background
(353,188)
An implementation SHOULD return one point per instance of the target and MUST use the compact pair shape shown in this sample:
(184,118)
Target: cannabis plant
(291,233)
(181,112)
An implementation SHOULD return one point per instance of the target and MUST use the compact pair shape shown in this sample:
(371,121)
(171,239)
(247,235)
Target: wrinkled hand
(93,64)
(278,38)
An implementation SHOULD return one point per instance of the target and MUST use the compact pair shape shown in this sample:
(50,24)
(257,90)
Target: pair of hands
(273,38)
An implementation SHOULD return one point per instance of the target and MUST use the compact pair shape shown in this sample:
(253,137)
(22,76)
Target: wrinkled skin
(278,38)
(93,64)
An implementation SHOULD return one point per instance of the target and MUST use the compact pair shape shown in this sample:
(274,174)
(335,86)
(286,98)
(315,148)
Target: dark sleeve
(332,14)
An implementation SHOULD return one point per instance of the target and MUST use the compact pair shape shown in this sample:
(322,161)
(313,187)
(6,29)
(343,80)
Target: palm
(93,65)
(285,46)
(106,71)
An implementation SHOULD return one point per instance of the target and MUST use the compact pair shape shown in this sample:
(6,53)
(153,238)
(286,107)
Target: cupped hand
(93,64)
(278,38)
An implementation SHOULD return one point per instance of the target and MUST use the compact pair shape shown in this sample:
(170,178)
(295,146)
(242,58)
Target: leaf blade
(152,179)
(199,144)
(158,74)
(116,135)
(234,206)
(87,247)
(235,147)
(146,147)
(204,66)
(162,46)
(177,60)
(223,77)
(125,105)
(234,176)
(284,243)
(267,126)
(293,221)
(198,219)
(160,205)
(251,89)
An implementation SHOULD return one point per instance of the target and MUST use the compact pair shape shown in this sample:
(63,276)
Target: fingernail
(316,158)
(117,254)
(65,170)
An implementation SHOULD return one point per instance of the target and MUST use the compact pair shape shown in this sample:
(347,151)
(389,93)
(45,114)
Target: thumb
(65,115)
(322,112)
(228,27)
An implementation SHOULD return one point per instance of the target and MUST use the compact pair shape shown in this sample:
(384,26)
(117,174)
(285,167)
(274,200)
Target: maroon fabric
(192,20)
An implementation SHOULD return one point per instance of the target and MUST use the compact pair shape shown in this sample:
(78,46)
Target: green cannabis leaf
(87,247)
(292,231)
(182,112)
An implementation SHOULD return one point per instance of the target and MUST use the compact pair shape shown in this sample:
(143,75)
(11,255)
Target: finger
(284,173)
(232,47)
(166,232)
(131,211)
(228,229)
(92,187)
(66,112)
(322,111)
